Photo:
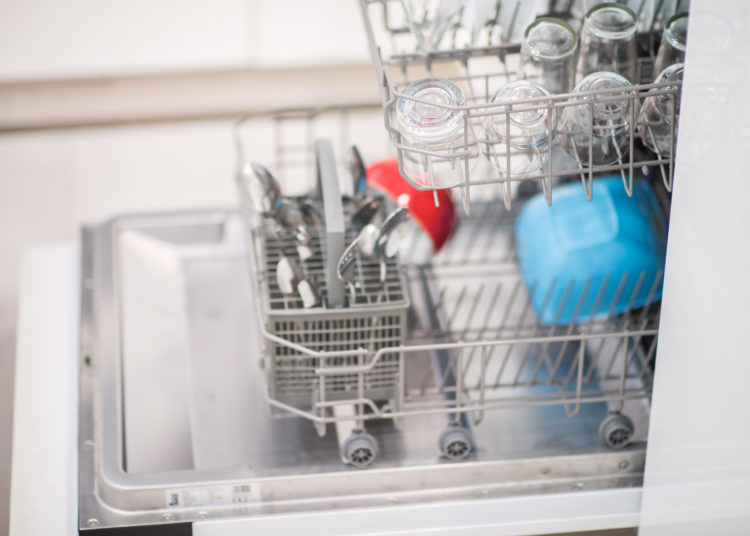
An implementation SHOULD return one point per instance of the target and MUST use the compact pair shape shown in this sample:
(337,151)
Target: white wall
(47,39)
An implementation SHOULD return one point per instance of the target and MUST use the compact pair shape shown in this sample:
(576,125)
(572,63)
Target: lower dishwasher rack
(475,345)
(174,422)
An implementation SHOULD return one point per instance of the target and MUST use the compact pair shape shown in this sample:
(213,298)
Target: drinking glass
(434,133)
(517,142)
(429,20)
(608,41)
(659,116)
(548,54)
(601,120)
(673,41)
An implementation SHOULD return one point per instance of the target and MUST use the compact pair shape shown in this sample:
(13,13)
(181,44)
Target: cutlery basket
(298,341)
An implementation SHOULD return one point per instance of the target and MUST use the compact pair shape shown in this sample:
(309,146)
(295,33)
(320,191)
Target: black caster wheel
(616,430)
(360,449)
(455,443)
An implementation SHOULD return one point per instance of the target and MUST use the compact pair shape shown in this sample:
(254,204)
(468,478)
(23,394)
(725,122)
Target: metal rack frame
(392,69)
(486,354)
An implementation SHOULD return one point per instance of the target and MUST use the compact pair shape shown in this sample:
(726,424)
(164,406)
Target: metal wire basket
(479,70)
(298,341)
(456,335)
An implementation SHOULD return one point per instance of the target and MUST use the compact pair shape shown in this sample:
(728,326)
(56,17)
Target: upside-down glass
(429,20)
(434,133)
(659,116)
(517,142)
(608,41)
(601,119)
(548,54)
(673,41)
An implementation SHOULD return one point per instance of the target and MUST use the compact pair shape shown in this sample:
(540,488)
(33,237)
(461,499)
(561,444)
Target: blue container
(583,259)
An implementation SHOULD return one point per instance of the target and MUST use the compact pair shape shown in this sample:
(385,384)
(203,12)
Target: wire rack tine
(485,323)
(571,328)
(631,130)
(615,299)
(508,348)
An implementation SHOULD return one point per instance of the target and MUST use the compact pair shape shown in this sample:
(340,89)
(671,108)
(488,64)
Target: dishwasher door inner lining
(174,421)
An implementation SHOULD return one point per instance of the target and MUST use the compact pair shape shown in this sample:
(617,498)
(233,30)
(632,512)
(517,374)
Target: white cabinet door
(42,39)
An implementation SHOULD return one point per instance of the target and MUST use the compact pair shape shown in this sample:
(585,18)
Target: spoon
(261,188)
(366,207)
(310,213)
(292,220)
(367,240)
(392,233)
(366,212)
(373,242)
(358,172)
(345,268)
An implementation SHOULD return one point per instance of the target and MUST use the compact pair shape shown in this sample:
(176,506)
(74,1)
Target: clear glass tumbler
(608,41)
(517,142)
(429,20)
(548,54)
(673,42)
(596,130)
(435,137)
(659,116)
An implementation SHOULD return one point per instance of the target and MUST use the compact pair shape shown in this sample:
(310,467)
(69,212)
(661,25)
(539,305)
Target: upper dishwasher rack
(480,71)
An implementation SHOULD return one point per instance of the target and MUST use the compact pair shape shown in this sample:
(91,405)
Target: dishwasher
(211,392)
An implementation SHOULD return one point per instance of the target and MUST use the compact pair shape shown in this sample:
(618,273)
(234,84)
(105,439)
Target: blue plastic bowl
(583,259)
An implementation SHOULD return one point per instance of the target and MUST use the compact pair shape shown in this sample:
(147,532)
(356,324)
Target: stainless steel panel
(244,462)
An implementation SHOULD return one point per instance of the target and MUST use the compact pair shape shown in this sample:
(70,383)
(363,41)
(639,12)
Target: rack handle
(333,213)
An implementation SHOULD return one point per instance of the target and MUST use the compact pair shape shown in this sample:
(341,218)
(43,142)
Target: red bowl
(437,221)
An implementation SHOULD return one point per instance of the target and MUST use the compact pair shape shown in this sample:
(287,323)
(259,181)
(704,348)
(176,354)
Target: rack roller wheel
(616,430)
(360,449)
(455,442)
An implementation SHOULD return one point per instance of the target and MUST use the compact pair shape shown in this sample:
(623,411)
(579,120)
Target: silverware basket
(299,341)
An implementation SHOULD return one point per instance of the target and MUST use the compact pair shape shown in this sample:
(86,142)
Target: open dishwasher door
(697,478)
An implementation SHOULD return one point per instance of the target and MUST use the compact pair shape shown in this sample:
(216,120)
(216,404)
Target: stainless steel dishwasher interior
(176,423)
(179,421)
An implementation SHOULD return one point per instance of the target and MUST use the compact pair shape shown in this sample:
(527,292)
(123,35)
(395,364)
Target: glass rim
(610,34)
(616,81)
(450,121)
(540,116)
(668,30)
(668,73)
(558,22)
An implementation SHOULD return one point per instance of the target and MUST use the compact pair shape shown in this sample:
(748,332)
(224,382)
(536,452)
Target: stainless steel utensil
(391,235)
(366,207)
(292,220)
(262,189)
(311,214)
(373,242)
(345,268)
(366,211)
(358,172)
